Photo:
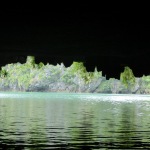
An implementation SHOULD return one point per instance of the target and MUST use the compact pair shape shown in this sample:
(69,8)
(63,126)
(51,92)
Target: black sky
(109,39)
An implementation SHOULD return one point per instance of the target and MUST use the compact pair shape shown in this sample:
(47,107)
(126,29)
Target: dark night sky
(109,40)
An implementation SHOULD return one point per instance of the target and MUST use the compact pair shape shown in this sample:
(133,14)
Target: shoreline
(32,77)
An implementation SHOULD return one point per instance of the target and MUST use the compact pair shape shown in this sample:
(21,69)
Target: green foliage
(19,74)
(127,77)
(79,69)
(40,65)
(30,61)
(23,75)
(3,73)
(89,76)
(146,78)
(67,78)
(97,74)
(146,82)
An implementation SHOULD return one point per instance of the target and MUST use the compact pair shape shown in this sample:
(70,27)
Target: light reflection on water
(74,121)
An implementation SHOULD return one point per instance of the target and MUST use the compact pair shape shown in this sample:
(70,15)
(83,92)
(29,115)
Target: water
(74,121)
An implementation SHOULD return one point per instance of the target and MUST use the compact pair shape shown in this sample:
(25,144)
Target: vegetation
(31,61)
(127,77)
(79,69)
(145,86)
(39,77)
(25,75)
(40,65)
(3,73)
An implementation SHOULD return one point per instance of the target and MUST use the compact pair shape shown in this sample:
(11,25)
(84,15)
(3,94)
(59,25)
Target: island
(32,77)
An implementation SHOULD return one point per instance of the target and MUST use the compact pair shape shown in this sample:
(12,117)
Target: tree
(127,78)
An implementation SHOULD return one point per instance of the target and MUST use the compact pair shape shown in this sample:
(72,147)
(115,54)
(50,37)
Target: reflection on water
(74,121)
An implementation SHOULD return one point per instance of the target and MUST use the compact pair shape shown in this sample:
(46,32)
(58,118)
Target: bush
(3,73)
(30,61)
(79,69)
(127,77)
(40,65)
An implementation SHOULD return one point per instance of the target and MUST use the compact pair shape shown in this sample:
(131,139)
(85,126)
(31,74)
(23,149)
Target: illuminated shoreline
(32,77)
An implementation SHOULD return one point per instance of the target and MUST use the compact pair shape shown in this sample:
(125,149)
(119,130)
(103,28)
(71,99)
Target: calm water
(74,121)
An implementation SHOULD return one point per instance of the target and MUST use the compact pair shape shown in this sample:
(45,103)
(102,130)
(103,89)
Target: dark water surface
(74,121)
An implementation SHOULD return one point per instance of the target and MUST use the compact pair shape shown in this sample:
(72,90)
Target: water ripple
(74,121)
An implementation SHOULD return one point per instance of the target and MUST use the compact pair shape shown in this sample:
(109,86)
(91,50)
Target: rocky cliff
(32,77)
